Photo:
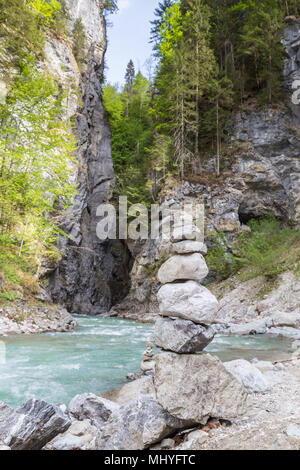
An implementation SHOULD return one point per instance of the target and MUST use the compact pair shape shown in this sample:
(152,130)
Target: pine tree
(129,77)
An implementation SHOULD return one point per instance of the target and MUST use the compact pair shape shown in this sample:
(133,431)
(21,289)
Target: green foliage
(19,31)
(219,259)
(213,55)
(267,250)
(131,124)
(36,163)
(79,43)
(17,273)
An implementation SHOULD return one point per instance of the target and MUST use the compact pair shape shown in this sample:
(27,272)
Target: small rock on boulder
(252,378)
(188,300)
(181,267)
(196,387)
(182,336)
(88,406)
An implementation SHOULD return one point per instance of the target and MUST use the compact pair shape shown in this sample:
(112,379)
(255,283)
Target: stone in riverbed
(179,267)
(31,426)
(196,387)
(89,406)
(291,319)
(252,378)
(182,336)
(189,301)
(138,425)
(189,246)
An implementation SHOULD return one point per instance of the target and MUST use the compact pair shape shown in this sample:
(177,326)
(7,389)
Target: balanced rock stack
(191,387)
(186,307)
(147,365)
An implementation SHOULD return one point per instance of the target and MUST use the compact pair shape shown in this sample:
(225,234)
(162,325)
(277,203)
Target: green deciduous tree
(36,163)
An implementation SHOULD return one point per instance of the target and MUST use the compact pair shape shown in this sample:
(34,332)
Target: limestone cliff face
(92,274)
(261,177)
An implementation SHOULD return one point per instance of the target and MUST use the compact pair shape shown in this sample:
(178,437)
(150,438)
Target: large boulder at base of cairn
(182,336)
(31,426)
(196,387)
(138,425)
(181,267)
(189,301)
(189,246)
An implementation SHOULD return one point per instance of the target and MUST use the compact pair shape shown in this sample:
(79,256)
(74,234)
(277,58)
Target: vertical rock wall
(92,274)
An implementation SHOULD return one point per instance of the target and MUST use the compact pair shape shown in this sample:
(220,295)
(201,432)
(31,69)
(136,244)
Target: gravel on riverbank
(24,318)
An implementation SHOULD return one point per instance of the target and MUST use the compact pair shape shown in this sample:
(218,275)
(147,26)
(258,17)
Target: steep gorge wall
(92,275)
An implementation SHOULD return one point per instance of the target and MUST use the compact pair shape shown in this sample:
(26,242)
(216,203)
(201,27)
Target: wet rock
(182,336)
(181,267)
(189,246)
(258,327)
(89,406)
(196,387)
(189,301)
(285,332)
(137,426)
(252,378)
(31,426)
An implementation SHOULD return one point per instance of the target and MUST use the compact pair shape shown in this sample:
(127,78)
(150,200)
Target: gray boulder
(189,246)
(136,389)
(80,436)
(31,426)
(195,387)
(181,267)
(252,378)
(291,319)
(137,426)
(188,300)
(182,336)
(89,406)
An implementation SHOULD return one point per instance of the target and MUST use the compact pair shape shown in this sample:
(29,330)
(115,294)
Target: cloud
(123,5)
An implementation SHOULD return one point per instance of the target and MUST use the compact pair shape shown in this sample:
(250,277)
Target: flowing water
(96,358)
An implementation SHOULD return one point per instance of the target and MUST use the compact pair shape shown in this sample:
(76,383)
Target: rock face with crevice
(92,274)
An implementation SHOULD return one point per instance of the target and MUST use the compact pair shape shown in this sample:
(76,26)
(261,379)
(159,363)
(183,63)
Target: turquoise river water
(96,358)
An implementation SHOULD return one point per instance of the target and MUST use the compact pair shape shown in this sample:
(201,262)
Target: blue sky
(128,37)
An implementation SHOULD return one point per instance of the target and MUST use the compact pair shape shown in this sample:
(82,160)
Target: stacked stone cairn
(187,308)
(147,365)
(191,387)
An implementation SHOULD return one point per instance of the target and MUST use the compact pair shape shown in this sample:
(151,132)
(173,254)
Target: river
(96,358)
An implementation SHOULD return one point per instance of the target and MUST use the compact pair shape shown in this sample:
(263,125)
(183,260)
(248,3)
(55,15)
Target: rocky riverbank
(25,318)
(246,406)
